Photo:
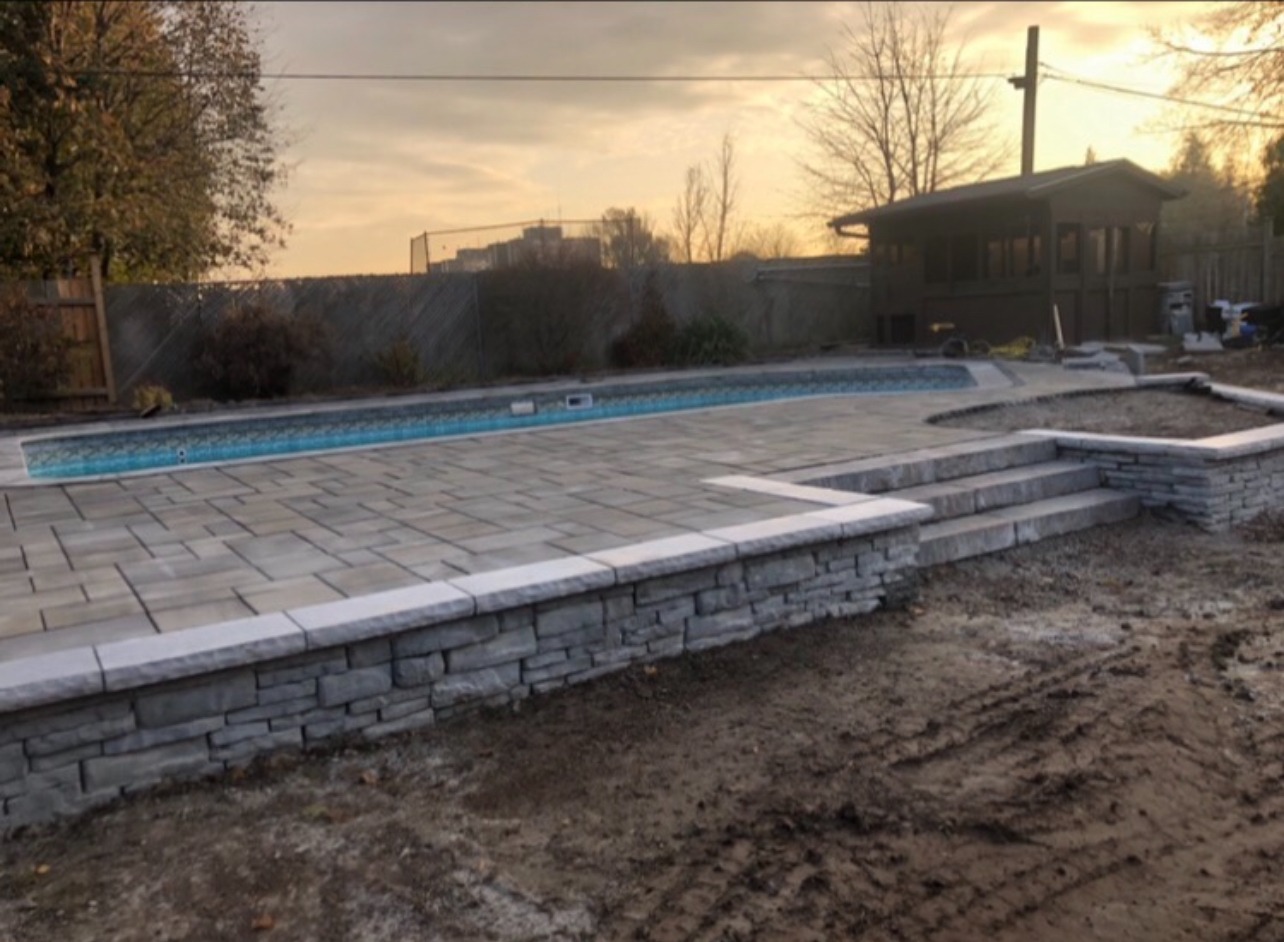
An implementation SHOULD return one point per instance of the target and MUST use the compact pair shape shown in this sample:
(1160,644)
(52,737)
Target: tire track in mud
(871,867)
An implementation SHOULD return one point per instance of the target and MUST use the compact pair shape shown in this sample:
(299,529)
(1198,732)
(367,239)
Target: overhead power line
(1061,75)
(584,78)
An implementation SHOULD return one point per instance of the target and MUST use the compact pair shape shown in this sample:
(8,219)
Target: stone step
(930,465)
(979,493)
(964,537)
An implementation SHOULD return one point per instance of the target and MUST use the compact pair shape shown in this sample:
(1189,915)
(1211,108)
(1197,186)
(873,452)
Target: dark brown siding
(952,265)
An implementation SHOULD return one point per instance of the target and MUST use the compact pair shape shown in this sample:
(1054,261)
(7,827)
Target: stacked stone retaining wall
(401,664)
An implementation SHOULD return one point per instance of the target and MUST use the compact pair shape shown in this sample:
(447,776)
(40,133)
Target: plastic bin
(1176,307)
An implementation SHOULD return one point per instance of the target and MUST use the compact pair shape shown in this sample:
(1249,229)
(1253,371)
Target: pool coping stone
(136,662)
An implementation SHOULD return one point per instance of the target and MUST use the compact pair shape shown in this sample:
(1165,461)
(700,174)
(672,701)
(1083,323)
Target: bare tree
(1232,57)
(722,204)
(900,115)
(689,213)
(774,240)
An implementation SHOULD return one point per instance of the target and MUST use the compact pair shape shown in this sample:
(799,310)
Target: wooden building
(994,258)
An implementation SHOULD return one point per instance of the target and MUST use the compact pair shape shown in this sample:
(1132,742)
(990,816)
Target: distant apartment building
(544,245)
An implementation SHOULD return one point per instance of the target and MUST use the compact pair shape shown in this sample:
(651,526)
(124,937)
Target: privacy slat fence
(1239,265)
(79,304)
(461,331)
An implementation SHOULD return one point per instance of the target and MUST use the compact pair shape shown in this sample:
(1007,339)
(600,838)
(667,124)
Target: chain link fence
(469,328)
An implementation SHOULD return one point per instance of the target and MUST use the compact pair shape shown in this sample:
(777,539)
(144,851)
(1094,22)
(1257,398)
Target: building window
(1096,250)
(936,261)
(1020,255)
(1143,246)
(1120,259)
(1034,260)
(1068,248)
(996,267)
(909,253)
(964,258)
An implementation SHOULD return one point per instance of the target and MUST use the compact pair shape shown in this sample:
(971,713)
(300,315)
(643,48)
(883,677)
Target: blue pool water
(202,443)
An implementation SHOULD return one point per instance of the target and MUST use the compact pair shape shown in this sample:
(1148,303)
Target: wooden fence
(1239,265)
(79,305)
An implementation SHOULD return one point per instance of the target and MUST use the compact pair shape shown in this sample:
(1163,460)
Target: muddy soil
(1151,413)
(1078,739)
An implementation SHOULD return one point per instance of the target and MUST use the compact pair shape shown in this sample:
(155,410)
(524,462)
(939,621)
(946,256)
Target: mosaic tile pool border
(126,448)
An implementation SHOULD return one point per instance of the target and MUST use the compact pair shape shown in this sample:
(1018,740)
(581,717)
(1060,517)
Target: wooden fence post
(1268,234)
(104,342)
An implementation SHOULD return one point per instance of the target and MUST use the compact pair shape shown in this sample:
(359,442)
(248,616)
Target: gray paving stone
(147,738)
(171,707)
(127,768)
(369,653)
(509,646)
(92,732)
(556,618)
(770,573)
(442,637)
(418,671)
(259,745)
(13,762)
(461,688)
(336,689)
(206,613)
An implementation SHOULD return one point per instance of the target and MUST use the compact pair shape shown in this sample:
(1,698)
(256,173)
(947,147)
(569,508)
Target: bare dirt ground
(1151,413)
(1155,413)
(1078,739)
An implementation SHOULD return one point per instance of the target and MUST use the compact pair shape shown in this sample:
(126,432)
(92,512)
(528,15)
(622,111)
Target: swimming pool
(180,444)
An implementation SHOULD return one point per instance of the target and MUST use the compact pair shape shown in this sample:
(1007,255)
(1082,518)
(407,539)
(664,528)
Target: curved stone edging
(80,727)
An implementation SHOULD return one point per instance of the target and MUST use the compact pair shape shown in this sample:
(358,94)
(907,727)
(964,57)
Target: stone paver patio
(87,563)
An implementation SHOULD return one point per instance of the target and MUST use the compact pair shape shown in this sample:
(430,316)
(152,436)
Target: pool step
(988,532)
(987,494)
(930,465)
(979,493)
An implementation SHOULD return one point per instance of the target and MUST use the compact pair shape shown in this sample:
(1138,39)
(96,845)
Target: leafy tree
(899,115)
(629,240)
(1269,198)
(34,350)
(139,131)
(1214,201)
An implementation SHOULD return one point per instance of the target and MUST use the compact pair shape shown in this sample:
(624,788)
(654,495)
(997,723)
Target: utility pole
(1029,84)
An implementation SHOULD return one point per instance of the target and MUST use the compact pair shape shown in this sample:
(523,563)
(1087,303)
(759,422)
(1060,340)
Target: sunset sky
(375,162)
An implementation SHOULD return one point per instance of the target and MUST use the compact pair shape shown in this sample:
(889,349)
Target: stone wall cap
(361,617)
(665,556)
(535,582)
(49,678)
(135,662)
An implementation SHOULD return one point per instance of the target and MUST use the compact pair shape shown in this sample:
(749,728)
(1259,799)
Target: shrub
(153,397)
(649,341)
(711,341)
(253,351)
(34,352)
(398,364)
(547,320)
